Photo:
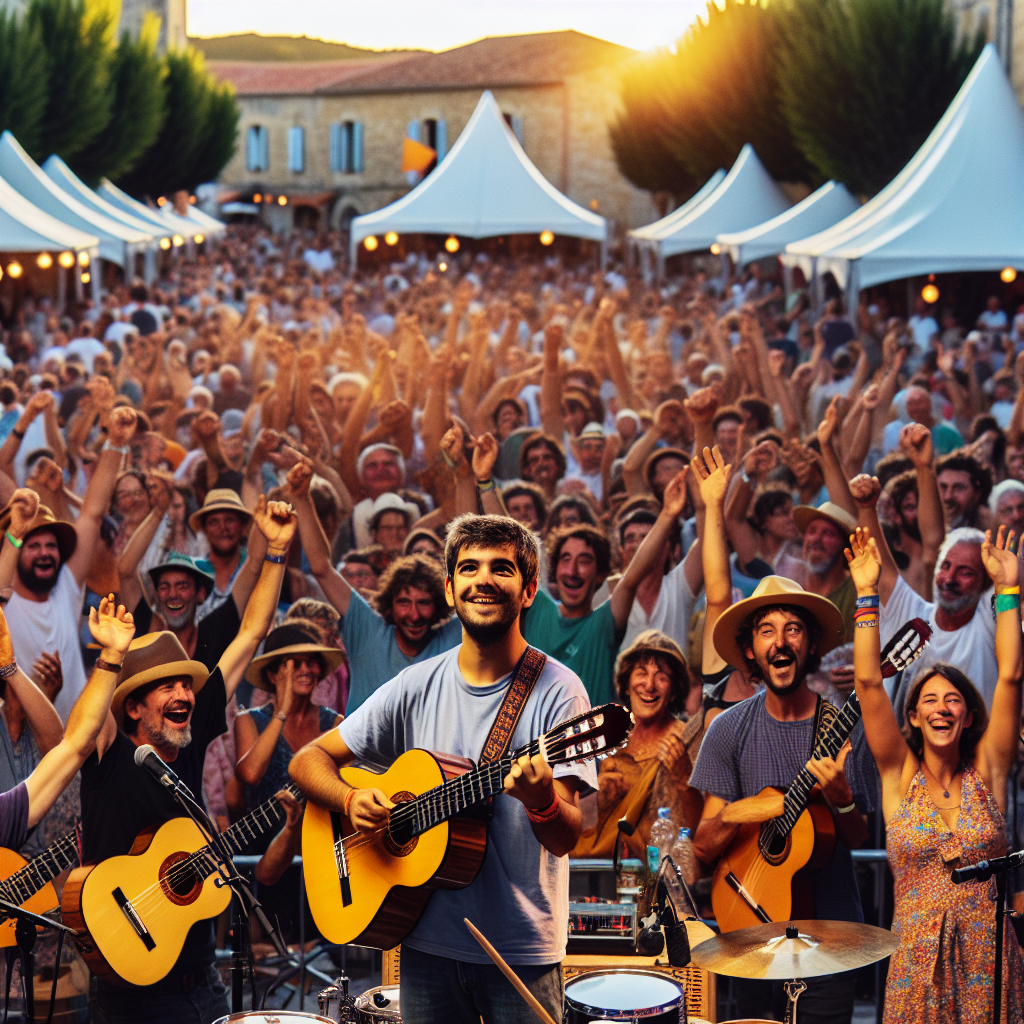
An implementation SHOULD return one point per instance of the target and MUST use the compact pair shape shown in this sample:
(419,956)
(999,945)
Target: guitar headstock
(906,646)
(587,735)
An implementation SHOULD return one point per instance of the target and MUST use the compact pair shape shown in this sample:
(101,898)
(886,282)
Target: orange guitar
(30,885)
(767,872)
(372,889)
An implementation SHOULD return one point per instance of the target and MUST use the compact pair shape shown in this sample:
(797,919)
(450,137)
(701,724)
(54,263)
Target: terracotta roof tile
(489,63)
(282,78)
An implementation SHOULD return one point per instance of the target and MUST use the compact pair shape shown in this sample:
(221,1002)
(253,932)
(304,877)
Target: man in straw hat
(780,634)
(224,519)
(47,561)
(177,705)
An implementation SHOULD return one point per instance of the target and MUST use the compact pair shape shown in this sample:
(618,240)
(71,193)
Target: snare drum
(379,1006)
(626,996)
(272,1017)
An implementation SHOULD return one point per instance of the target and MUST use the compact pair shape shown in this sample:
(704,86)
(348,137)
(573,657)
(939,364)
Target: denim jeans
(436,989)
(202,999)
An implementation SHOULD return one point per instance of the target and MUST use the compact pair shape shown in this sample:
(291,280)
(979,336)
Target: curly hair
(576,501)
(532,441)
(419,571)
(971,736)
(745,634)
(771,498)
(961,461)
(522,488)
(591,536)
(492,532)
(900,486)
(654,646)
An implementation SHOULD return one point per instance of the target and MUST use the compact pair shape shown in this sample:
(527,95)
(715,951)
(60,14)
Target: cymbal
(795,949)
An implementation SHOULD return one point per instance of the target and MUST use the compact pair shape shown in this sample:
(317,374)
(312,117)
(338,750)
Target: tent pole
(853,294)
(787,282)
(62,288)
(79,290)
(94,280)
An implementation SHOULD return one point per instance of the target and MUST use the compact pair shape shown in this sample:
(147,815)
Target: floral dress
(942,971)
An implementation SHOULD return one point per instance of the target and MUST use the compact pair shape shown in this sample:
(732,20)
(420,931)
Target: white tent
(26,228)
(648,230)
(117,242)
(820,210)
(485,186)
(165,224)
(958,205)
(204,223)
(747,196)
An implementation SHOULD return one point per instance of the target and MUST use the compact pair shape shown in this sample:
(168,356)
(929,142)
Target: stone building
(329,137)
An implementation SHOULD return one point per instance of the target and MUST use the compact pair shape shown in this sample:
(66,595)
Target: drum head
(646,992)
(278,1016)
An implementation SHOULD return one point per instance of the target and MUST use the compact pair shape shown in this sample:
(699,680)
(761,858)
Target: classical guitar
(372,888)
(30,884)
(767,871)
(133,912)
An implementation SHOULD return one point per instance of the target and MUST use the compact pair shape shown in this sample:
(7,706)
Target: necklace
(945,791)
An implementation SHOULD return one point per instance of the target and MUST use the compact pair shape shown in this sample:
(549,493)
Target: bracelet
(8,670)
(1007,602)
(14,540)
(868,601)
(121,449)
(744,476)
(348,799)
(867,624)
(1008,590)
(281,716)
(276,559)
(106,666)
(846,810)
(19,434)
(545,814)
(486,485)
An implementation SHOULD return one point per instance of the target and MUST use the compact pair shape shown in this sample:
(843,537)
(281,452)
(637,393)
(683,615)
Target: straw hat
(220,499)
(777,590)
(183,563)
(804,514)
(656,456)
(67,539)
(150,658)
(288,639)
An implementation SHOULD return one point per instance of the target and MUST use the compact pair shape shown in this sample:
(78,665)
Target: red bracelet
(348,799)
(545,814)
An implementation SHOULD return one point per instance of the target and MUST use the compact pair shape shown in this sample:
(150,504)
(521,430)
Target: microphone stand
(982,872)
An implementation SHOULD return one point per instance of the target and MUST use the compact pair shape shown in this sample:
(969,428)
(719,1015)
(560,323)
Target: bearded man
(825,531)
(48,561)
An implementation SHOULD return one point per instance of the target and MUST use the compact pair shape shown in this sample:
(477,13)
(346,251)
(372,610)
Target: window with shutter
(413,131)
(341,148)
(256,149)
(264,149)
(442,139)
(357,147)
(296,150)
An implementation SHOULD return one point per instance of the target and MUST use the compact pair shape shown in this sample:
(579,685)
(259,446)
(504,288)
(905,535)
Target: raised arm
(916,443)
(43,720)
(353,431)
(713,479)
(866,490)
(551,381)
(485,455)
(835,479)
(613,357)
(453,452)
(139,542)
(760,460)
(254,750)
(37,404)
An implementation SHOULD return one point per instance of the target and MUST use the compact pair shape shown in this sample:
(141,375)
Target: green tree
(863,82)
(221,133)
(76,36)
(24,79)
(138,101)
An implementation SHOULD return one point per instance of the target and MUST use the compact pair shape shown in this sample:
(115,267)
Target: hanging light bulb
(930,294)
(86,277)
(547,237)
(178,241)
(442,267)
(391,238)
(257,198)
(44,261)
(14,268)
(451,244)
(198,239)
(66,260)
(1008,275)
(282,200)
(83,258)
(716,249)
(165,244)
(370,242)
(162,201)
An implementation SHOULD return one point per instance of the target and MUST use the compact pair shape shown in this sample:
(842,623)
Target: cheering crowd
(260,455)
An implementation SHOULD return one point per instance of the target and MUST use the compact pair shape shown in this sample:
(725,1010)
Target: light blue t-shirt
(520,898)
(373,652)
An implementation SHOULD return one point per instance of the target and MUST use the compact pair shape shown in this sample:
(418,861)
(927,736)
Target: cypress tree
(24,79)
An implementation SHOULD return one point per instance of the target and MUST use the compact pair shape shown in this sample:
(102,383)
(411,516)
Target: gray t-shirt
(745,750)
(520,898)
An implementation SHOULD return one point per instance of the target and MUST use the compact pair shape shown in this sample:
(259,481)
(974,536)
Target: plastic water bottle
(684,857)
(663,834)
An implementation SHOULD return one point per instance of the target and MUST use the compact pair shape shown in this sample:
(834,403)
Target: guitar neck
(20,887)
(258,822)
(829,745)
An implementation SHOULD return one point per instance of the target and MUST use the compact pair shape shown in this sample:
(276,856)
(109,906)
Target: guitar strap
(524,678)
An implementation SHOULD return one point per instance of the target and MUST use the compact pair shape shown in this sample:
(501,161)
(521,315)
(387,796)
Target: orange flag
(416,156)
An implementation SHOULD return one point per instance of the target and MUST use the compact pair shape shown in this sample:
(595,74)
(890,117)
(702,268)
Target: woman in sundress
(943,797)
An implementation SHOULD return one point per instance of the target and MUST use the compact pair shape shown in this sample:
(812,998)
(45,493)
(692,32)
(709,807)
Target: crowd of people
(715,505)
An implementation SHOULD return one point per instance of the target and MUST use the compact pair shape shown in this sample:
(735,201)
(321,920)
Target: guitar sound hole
(179,880)
(399,839)
(774,847)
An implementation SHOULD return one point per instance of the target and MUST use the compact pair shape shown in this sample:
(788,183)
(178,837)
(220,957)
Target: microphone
(147,757)
(985,869)
(662,928)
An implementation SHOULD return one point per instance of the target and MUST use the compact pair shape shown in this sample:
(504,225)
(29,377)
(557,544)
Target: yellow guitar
(371,889)
(29,884)
(133,912)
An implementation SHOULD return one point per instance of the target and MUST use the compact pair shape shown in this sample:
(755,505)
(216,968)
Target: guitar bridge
(737,886)
(340,860)
(133,919)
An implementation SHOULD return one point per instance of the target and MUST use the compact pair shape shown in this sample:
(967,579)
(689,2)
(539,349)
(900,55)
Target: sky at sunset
(442,24)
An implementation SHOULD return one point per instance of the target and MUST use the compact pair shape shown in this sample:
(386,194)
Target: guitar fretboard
(20,887)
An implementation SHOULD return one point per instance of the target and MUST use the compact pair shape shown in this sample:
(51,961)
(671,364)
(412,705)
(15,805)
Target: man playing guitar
(779,634)
(448,704)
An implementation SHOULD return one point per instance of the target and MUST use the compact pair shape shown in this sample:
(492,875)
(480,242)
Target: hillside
(253,47)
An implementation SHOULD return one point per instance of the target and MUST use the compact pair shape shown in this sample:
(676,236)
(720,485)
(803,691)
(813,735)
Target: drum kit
(790,951)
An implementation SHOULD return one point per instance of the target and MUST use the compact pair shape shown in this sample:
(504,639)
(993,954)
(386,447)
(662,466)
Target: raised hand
(761,459)
(712,476)
(916,443)
(206,425)
(485,454)
(830,421)
(276,520)
(24,506)
(864,560)
(112,627)
(871,396)
(452,451)
(676,494)
(39,403)
(865,490)
(395,415)
(121,424)
(670,419)
(999,559)
(299,477)
(48,674)
(703,403)
(283,692)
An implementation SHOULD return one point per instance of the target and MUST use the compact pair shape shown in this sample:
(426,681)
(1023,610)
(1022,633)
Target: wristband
(867,624)
(485,485)
(281,716)
(544,814)
(120,449)
(276,559)
(846,810)
(348,799)
(1007,602)
(868,601)
(14,540)
(8,670)
(106,666)
(744,476)
(19,434)
(1007,590)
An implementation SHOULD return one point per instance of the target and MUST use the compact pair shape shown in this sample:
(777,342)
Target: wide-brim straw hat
(220,499)
(777,590)
(656,456)
(285,640)
(804,515)
(67,539)
(150,658)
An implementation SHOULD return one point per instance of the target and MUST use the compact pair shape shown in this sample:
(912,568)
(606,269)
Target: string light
(257,198)
(391,238)
(83,258)
(1008,275)
(546,237)
(86,277)
(716,249)
(371,243)
(178,240)
(66,260)
(44,261)
(451,244)
(930,294)
(162,201)
(199,239)
(165,244)
(14,269)
(282,200)
(442,267)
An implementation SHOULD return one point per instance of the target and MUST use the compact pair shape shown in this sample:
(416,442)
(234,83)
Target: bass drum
(275,1016)
(628,996)
(379,1006)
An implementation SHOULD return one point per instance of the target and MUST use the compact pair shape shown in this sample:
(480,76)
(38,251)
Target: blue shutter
(517,128)
(264,148)
(296,156)
(337,148)
(252,149)
(413,131)
(357,147)
(442,139)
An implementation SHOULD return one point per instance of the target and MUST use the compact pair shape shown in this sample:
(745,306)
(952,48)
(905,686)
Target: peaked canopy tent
(485,186)
(958,205)
(819,211)
(164,223)
(746,196)
(202,221)
(649,231)
(118,243)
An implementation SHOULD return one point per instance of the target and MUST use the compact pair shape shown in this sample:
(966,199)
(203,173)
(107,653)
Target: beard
(954,601)
(181,619)
(824,566)
(37,584)
(176,737)
(798,675)
(487,633)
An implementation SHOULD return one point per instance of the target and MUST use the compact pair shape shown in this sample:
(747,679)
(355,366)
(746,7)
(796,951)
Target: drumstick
(531,999)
